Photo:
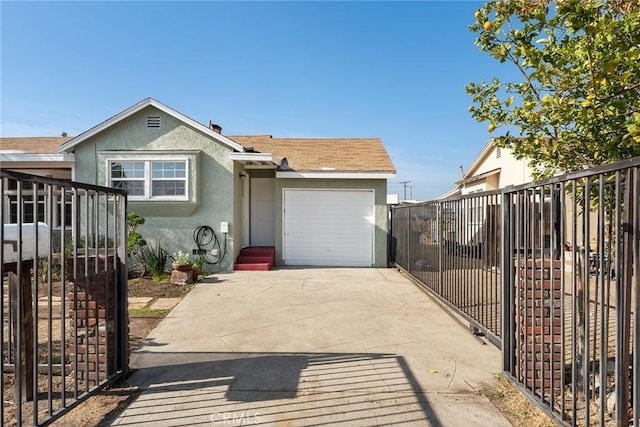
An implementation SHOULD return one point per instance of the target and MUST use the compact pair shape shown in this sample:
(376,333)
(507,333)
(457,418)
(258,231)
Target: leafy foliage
(198,263)
(135,242)
(154,258)
(578,102)
(181,258)
(55,267)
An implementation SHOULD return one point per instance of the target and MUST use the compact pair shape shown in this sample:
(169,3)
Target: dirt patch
(515,406)
(103,406)
(145,287)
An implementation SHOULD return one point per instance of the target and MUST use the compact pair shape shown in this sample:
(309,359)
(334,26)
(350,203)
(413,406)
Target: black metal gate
(64,295)
(550,272)
(452,248)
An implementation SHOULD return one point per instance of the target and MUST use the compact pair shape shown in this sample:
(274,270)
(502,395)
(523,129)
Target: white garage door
(328,227)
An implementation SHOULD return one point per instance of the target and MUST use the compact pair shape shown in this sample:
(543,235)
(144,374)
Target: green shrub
(154,258)
(135,242)
(56,257)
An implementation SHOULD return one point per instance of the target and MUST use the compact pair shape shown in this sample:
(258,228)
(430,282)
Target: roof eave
(478,177)
(337,174)
(256,159)
(478,161)
(451,193)
(68,158)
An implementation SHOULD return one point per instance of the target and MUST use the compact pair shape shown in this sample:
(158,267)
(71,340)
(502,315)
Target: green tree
(136,241)
(577,103)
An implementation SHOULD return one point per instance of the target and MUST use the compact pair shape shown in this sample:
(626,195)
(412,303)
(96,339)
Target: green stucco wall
(214,181)
(378,185)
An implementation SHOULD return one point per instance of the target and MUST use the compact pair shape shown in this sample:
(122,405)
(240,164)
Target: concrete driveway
(311,347)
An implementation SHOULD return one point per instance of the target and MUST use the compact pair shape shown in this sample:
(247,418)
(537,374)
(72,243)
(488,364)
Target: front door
(263,215)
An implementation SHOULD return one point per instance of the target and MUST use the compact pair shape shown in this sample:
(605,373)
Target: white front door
(263,215)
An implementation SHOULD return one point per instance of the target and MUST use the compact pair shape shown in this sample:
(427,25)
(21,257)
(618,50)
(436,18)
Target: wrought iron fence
(551,272)
(451,248)
(64,312)
(572,247)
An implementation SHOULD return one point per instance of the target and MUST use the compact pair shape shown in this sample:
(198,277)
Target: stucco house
(497,168)
(492,169)
(315,201)
(37,156)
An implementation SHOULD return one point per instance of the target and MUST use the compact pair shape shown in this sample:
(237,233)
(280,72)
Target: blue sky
(394,70)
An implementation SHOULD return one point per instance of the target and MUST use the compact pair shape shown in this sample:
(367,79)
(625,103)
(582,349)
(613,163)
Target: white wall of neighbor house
(474,187)
(507,171)
(513,171)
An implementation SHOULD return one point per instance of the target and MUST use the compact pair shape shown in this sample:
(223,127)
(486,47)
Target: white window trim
(45,207)
(148,179)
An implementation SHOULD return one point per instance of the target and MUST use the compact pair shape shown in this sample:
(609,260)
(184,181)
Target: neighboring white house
(494,168)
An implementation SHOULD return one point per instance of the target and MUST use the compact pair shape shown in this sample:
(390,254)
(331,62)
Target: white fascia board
(336,175)
(253,167)
(255,157)
(478,160)
(64,159)
(67,146)
(162,153)
(450,193)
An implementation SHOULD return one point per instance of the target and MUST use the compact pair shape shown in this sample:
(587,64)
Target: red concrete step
(258,266)
(256,258)
(253,259)
(258,250)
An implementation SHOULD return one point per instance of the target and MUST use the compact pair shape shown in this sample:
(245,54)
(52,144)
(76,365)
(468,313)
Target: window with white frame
(150,179)
(168,179)
(39,208)
(28,208)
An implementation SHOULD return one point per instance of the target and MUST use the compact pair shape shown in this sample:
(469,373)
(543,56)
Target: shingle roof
(302,154)
(33,145)
(324,154)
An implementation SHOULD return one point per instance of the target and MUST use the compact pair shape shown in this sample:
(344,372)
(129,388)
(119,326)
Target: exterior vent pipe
(214,127)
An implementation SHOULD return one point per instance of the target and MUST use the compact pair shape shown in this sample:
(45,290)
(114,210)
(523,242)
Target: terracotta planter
(182,267)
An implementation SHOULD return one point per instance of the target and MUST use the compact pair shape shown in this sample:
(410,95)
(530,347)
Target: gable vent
(498,152)
(153,121)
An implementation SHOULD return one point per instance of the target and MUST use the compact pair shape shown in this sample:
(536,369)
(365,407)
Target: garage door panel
(328,227)
(328,256)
